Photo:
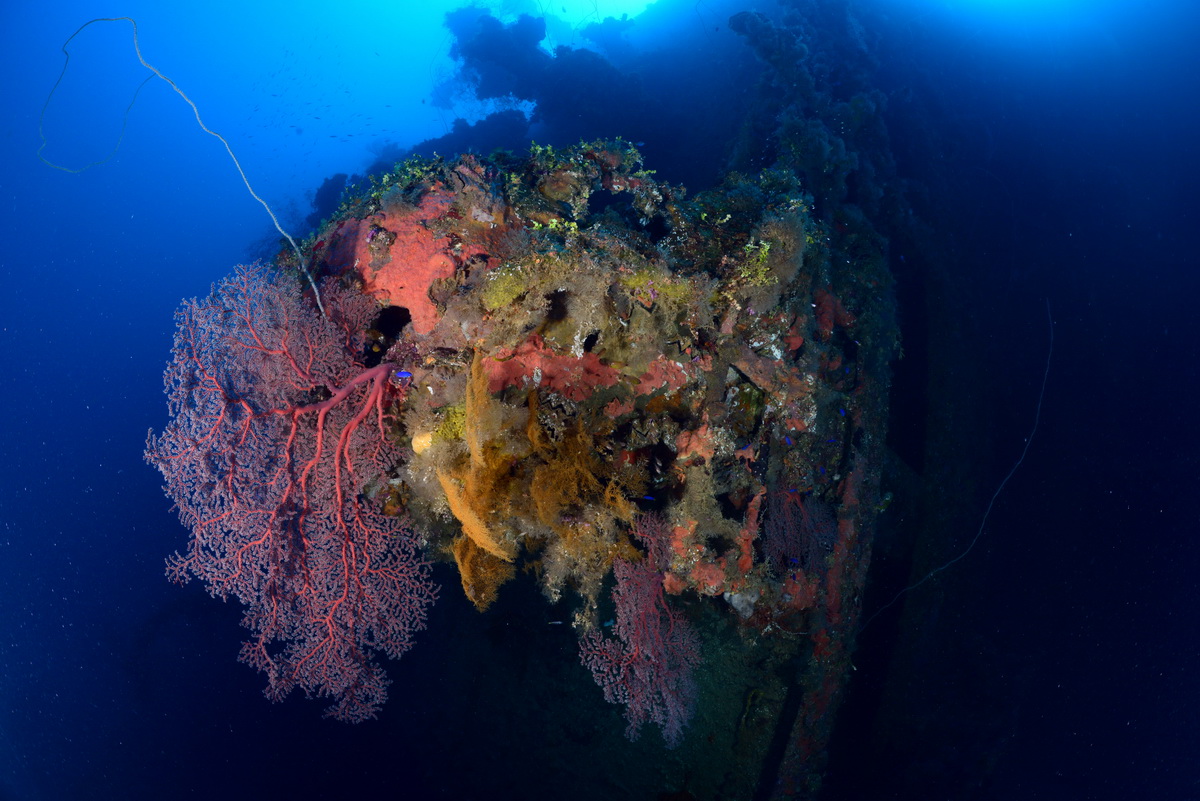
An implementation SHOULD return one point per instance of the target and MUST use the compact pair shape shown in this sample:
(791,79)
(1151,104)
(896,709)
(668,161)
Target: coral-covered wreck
(602,372)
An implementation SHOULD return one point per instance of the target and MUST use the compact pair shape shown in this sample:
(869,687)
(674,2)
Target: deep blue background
(1076,134)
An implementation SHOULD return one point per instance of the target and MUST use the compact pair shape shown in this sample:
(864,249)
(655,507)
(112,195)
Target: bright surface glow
(577,12)
(1025,13)
(574,15)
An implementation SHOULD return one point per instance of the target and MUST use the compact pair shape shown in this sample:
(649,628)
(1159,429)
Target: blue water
(1062,660)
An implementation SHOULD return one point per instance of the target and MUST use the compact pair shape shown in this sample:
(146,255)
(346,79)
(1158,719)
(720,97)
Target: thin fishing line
(1037,417)
(138,49)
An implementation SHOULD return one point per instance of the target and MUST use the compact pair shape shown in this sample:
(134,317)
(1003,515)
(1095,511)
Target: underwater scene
(600,400)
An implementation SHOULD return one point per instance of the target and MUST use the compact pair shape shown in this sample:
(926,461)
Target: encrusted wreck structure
(605,377)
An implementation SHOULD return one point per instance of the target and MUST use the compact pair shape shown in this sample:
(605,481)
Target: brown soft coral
(472,490)
(482,573)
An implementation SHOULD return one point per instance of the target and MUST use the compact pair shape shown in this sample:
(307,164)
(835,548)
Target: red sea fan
(277,430)
(649,665)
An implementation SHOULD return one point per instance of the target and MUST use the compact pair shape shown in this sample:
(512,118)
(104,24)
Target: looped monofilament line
(138,49)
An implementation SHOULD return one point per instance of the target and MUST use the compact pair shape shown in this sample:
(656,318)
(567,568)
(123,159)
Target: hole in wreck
(557,310)
(388,324)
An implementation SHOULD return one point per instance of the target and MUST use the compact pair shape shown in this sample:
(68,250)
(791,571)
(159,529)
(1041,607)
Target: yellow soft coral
(473,524)
(470,490)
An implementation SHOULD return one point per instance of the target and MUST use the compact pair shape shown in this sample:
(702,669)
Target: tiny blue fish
(788,440)
(403,374)
(647,497)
